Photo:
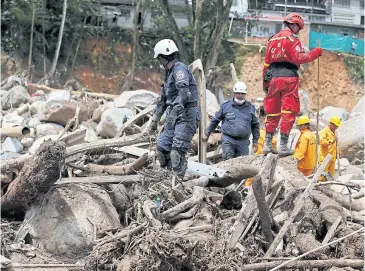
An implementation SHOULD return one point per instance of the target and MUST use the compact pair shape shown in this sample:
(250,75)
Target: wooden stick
(147,206)
(318,248)
(317,132)
(298,206)
(122,234)
(311,264)
(265,215)
(197,228)
(332,230)
(126,179)
(197,197)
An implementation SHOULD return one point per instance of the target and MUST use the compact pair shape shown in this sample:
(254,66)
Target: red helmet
(294,18)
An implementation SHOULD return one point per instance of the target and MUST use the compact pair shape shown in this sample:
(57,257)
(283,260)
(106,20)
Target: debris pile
(81,189)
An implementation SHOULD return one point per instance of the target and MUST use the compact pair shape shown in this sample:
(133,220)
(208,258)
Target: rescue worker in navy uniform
(179,101)
(239,121)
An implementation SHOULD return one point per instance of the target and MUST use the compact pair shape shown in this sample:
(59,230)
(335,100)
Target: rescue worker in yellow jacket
(305,149)
(328,145)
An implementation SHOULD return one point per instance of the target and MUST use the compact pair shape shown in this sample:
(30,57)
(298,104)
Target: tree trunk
(130,76)
(197,26)
(36,177)
(78,44)
(190,13)
(31,41)
(59,42)
(175,30)
(44,41)
(222,18)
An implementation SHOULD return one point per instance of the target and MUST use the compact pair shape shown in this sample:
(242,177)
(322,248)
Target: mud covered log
(103,145)
(306,242)
(36,177)
(120,170)
(344,200)
(306,264)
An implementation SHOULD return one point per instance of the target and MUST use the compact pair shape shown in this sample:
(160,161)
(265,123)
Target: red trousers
(282,103)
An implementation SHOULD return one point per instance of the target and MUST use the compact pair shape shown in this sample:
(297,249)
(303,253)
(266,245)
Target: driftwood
(36,177)
(196,198)
(320,247)
(148,205)
(344,200)
(124,180)
(122,234)
(120,170)
(102,145)
(311,264)
(298,206)
(250,203)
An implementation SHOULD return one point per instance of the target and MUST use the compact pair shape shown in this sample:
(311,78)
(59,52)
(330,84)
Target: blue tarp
(335,43)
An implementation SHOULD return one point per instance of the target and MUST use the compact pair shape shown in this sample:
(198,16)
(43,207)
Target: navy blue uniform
(238,123)
(179,101)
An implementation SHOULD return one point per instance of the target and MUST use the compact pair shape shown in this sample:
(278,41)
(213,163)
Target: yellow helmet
(303,120)
(336,121)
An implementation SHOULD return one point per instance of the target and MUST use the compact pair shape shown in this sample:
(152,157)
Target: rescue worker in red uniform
(284,54)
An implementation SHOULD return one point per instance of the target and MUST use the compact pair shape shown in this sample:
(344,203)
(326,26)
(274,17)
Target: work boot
(268,147)
(283,149)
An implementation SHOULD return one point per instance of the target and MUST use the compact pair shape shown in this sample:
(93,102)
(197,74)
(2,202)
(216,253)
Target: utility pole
(285,8)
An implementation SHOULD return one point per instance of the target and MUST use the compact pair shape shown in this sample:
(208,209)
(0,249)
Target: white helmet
(165,47)
(240,87)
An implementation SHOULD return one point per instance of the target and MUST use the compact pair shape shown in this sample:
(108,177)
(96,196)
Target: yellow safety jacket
(327,144)
(305,150)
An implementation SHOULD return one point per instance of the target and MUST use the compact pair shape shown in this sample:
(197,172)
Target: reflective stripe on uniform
(273,115)
(286,112)
(281,38)
(266,64)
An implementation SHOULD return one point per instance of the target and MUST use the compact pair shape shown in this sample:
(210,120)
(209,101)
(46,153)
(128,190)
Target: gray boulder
(12,120)
(351,138)
(37,108)
(14,97)
(141,98)
(111,121)
(329,111)
(62,222)
(358,108)
(12,144)
(48,129)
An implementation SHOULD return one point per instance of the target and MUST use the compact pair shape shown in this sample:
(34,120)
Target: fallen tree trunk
(344,200)
(32,87)
(305,264)
(120,170)
(36,177)
(102,145)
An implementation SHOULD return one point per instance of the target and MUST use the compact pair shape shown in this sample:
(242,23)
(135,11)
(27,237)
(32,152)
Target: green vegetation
(355,67)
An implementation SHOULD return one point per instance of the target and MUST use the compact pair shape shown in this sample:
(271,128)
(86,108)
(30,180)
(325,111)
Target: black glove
(153,126)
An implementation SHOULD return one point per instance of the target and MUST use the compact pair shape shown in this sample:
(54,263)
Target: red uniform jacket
(286,47)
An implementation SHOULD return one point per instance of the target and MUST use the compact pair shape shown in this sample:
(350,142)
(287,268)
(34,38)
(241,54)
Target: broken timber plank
(210,155)
(264,211)
(298,206)
(126,179)
(331,232)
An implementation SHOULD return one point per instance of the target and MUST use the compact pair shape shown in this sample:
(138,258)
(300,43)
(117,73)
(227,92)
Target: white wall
(350,15)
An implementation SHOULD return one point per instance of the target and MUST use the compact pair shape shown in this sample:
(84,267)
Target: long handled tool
(317,132)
